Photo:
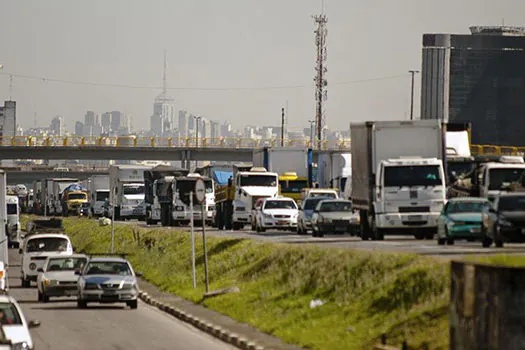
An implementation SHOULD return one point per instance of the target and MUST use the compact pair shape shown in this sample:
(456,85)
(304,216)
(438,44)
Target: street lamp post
(413,73)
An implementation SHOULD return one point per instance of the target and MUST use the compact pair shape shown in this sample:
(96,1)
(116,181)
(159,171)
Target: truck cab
(409,192)
(13,221)
(291,185)
(493,177)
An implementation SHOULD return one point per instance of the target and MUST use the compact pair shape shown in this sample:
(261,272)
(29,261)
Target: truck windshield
(12,209)
(209,185)
(292,186)
(48,244)
(62,186)
(498,176)
(102,196)
(133,189)
(76,196)
(511,203)
(412,175)
(258,180)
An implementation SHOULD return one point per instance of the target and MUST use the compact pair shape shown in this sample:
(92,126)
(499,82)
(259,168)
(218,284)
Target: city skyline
(229,45)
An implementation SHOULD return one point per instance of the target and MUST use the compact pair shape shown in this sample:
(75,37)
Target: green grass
(366,293)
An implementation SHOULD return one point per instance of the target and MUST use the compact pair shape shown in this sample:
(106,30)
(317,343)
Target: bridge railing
(184,142)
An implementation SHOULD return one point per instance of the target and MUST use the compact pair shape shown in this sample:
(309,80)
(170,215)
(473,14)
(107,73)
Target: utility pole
(413,73)
(321,83)
(282,127)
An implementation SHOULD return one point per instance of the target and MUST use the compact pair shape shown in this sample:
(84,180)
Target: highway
(400,244)
(63,326)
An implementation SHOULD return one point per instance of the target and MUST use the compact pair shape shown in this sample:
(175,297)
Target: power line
(151,87)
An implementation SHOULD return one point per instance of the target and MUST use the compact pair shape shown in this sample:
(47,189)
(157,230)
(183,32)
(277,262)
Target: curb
(206,327)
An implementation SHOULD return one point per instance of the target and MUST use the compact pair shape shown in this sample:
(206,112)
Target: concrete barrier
(487,307)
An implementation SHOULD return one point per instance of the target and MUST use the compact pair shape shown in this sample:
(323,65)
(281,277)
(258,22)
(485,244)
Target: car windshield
(499,176)
(292,186)
(76,196)
(310,204)
(65,264)
(412,175)
(133,189)
(280,205)
(465,207)
(47,244)
(108,268)
(329,207)
(12,209)
(102,196)
(511,203)
(9,314)
(258,180)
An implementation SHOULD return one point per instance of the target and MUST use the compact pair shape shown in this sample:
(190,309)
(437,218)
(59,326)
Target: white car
(35,251)
(14,324)
(57,277)
(278,213)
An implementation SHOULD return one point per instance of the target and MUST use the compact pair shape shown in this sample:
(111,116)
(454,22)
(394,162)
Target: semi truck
(235,201)
(294,167)
(398,178)
(126,184)
(152,190)
(98,189)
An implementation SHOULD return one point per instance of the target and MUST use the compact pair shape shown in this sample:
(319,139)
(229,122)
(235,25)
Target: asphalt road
(402,244)
(63,326)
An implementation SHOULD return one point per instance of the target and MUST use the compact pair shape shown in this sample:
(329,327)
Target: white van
(13,221)
(36,250)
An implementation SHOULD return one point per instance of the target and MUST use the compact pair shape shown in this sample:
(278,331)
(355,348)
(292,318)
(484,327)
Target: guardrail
(185,142)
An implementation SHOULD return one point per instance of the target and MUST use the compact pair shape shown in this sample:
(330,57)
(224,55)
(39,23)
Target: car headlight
(46,282)
(91,286)
(128,286)
(268,216)
(20,346)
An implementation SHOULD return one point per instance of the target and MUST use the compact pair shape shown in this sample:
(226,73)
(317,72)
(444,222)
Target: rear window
(47,244)
(335,206)
(9,314)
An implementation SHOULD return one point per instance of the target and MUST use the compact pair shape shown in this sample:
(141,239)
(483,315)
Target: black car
(504,220)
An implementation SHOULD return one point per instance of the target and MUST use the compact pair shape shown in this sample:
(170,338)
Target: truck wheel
(486,243)
(237,226)
(117,213)
(430,235)
(498,243)
(228,218)
(441,241)
(365,228)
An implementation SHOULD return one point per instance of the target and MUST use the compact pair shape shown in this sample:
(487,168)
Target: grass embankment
(366,293)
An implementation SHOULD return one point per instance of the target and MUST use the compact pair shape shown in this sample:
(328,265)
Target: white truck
(236,200)
(13,221)
(333,170)
(494,177)
(126,185)
(98,189)
(398,180)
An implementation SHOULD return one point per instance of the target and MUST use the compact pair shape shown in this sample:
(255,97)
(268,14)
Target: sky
(221,53)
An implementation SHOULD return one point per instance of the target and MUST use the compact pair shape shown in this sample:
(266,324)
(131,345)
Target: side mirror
(20,251)
(138,274)
(33,324)
(40,269)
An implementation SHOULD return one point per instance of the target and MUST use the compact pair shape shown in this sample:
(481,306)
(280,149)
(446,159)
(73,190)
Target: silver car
(107,280)
(334,216)
(306,211)
(57,277)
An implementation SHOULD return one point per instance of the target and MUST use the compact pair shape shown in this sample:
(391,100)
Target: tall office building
(215,130)
(478,78)
(162,121)
(91,119)
(183,124)
(116,118)
(57,126)
(8,120)
(79,128)
(106,122)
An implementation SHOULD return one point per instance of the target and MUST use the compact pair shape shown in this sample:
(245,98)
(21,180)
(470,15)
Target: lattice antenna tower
(321,83)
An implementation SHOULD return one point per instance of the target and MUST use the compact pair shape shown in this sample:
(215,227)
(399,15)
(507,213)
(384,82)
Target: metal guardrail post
(169,141)
(12,141)
(83,141)
(152,142)
(65,141)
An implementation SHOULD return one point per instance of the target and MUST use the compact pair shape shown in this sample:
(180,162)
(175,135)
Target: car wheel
(450,241)
(441,241)
(45,298)
(133,304)
(320,233)
(82,304)
(486,243)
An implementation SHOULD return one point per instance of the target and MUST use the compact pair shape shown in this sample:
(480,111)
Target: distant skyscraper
(163,118)
(215,130)
(226,129)
(79,128)
(116,118)
(183,124)
(106,122)
(8,120)
(57,126)
(91,119)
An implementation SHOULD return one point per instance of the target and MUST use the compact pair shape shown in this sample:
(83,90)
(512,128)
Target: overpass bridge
(28,174)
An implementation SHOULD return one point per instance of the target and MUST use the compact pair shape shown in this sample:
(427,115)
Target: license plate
(281,223)
(475,230)
(340,228)
(109,292)
(70,293)
(415,218)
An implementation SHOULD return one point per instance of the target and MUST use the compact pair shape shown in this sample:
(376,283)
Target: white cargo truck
(398,181)
(13,221)
(126,185)
(98,189)
(333,170)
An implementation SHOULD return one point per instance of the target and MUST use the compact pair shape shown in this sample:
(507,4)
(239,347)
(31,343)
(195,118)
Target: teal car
(461,219)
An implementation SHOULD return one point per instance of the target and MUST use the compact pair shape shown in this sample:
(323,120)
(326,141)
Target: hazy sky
(225,44)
